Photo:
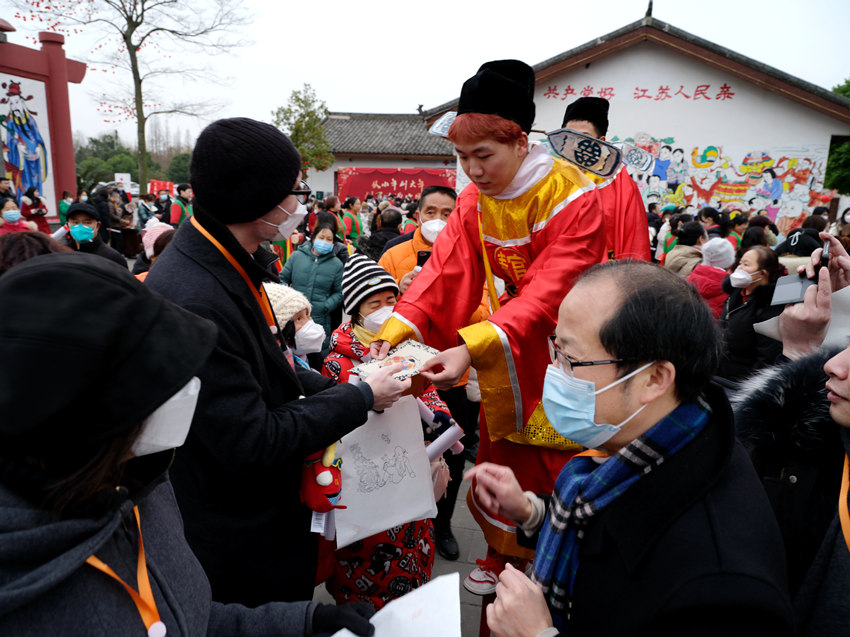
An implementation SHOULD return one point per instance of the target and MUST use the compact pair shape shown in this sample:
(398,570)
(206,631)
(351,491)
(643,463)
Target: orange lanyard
(260,295)
(144,600)
(843,514)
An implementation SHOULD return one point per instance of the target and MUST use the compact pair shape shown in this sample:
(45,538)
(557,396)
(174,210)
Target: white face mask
(309,338)
(376,319)
(742,279)
(286,227)
(432,229)
(168,426)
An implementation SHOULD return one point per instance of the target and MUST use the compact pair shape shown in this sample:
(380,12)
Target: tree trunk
(141,122)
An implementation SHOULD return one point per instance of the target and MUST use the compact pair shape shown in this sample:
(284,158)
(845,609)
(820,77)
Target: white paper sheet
(386,475)
(433,609)
(838,333)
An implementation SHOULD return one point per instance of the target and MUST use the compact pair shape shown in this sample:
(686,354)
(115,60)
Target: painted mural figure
(783,189)
(27,154)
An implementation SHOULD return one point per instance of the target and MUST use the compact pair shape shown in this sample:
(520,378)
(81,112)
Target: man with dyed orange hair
(533,221)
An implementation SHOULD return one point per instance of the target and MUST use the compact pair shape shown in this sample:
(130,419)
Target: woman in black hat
(91,539)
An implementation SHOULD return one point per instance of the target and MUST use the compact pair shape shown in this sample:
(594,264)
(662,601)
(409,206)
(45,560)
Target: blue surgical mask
(570,407)
(322,247)
(163,197)
(82,233)
(12,216)
(84,198)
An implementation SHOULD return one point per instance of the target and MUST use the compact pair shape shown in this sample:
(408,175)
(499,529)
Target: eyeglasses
(302,192)
(556,355)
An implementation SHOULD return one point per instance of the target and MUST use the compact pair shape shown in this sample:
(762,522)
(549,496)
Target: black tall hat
(589,109)
(501,87)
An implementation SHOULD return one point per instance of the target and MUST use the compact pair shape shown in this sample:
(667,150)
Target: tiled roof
(378,134)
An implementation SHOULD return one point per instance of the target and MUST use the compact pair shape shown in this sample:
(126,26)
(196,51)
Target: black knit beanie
(88,351)
(241,169)
(501,87)
(361,278)
(589,109)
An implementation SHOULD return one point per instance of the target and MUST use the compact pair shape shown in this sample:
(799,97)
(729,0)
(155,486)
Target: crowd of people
(650,457)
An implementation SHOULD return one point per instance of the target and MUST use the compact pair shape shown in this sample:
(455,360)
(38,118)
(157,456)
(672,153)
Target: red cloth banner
(154,186)
(405,182)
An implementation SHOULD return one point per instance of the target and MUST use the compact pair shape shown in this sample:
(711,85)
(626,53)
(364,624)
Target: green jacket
(319,278)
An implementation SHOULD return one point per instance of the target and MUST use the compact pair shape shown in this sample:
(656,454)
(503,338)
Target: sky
(390,57)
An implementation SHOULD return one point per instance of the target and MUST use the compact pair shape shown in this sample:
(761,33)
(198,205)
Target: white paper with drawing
(433,609)
(386,476)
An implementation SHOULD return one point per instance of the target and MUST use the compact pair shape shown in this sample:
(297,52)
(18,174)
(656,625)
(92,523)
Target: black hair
(709,213)
(162,241)
(679,218)
(652,207)
(753,236)
(288,334)
(323,226)
(670,148)
(349,203)
(430,190)
(390,218)
(820,210)
(182,187)
(690,232)
(662,318)
(817,222)
(16,247)
(325,218)
(770,171)
(31,192)
(3,201)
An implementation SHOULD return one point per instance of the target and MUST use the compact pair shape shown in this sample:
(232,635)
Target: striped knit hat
(362,278)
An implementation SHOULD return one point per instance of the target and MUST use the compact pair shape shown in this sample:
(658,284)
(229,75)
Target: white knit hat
(286,302)
(718,253)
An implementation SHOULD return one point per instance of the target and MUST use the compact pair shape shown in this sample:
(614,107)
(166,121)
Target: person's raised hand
(386,389)
(447,368)
(498,491)
(405,282)
(803,326)
(379,349)
(520,609)
(839,263)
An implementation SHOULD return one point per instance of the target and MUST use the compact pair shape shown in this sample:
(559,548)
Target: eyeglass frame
(555,352)
(301,193)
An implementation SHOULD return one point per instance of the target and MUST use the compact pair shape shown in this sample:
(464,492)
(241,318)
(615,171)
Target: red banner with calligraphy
(155,185)
(404,182)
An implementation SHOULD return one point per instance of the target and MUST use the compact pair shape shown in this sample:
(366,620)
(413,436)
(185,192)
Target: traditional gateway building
(723,129)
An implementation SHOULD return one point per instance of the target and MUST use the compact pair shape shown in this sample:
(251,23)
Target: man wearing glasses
(661,526)
(237,477)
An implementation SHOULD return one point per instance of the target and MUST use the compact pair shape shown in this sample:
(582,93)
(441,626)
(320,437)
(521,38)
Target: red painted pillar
(59,115)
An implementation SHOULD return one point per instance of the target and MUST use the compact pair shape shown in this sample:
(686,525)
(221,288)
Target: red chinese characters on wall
(662,93)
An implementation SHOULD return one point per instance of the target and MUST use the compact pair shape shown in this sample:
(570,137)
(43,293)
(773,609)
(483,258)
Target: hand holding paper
(520,608)
(803,326)
(447,368)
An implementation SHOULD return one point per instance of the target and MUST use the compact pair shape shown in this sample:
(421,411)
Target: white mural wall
(716,139)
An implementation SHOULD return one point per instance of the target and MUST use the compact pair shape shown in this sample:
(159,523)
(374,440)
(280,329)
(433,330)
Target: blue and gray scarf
(586,487)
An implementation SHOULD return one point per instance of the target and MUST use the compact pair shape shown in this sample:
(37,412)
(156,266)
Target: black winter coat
(690,549)
(46,588)
(745,351)
(238,475)
(782,417)
(98,247)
